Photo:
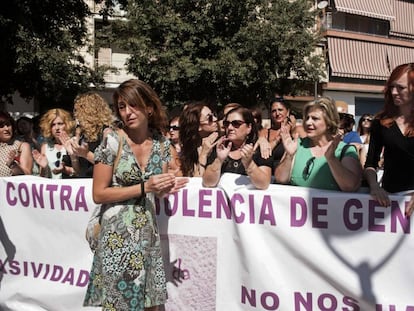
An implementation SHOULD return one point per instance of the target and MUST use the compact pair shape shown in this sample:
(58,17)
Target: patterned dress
(5,148)
(127,270)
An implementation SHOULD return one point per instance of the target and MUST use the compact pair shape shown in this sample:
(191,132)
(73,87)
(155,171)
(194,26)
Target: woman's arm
(26,159)
(174,166)
(25,164)
(103,192)
(284,170)
(347,171)
(207,146)
(212,173)
(259,175)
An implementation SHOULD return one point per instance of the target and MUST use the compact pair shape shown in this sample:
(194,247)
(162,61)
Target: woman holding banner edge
(131,165)
(392,132)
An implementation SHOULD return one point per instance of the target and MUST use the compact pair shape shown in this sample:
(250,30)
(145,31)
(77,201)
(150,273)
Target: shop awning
(400,55)
(403,24)
(381,9)
(357,59)
(365,60)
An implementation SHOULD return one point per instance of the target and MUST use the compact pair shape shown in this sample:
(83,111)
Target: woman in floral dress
(127,271)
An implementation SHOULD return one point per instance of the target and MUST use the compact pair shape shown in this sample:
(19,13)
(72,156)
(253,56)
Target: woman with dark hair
(235,152)
(131,166)
(364,131)
(174,133)
(392,133)
(257,115)
(198,134)
(15,155)
(279,115)
(319,160)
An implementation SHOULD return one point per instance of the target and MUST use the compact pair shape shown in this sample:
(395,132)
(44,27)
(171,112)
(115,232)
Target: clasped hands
(166,183)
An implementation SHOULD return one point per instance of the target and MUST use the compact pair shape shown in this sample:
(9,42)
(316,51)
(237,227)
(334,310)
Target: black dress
(398,156)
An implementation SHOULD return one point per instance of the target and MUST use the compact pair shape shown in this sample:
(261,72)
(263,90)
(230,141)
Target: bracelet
(203,165)
(143,189)
(12,164)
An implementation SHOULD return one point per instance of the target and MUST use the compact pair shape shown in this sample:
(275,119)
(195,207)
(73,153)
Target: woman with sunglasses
(392,133)
(174,133)
(364,131)
(320,160)
(15,155)
(236,152)
(131,166)
(198,135)
(56,159)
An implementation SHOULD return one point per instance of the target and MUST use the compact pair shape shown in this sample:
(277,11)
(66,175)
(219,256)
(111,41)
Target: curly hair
(143,96)
(93,114)
(49,116)
(330,113)
(190,137)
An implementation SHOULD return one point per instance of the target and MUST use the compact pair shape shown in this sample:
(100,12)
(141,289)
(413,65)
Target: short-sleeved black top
(398,156)
(235,166)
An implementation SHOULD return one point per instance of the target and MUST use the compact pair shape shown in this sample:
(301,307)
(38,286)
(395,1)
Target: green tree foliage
(222,50)
(40,50)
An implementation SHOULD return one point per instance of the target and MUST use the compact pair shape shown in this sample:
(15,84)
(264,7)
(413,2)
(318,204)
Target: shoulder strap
(118,154)
(344,149)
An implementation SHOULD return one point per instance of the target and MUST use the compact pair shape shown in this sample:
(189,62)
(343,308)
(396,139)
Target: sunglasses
(235,123)
(367,119)
(308,168)
(58,155)
(4,123)
(174,128)
(210,118)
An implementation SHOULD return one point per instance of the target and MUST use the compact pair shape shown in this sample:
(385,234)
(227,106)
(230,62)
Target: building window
(360,24)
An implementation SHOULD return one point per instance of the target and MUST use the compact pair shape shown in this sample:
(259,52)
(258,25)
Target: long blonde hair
(93,114)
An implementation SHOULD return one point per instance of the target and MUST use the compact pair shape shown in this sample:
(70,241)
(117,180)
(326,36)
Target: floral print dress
(127,270)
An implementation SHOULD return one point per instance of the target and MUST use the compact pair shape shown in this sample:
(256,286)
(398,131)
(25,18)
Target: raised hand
(223,148)
(290,144)
(246,153)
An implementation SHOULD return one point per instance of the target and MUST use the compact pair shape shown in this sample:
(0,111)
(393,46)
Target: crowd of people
(134,152)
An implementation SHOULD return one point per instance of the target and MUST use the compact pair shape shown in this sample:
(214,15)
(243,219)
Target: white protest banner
(226,248)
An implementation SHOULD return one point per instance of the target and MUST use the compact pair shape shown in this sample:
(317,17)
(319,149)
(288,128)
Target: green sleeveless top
(312,172)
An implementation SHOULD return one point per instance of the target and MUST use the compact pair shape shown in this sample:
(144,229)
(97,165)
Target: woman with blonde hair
(319,160)
(56,159)
(94,118)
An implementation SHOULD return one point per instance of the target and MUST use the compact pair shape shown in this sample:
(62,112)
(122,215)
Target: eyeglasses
(366,119)
(308,168)
(235,123)
(210,118)
(173,128)
(58,155)
(4,123)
